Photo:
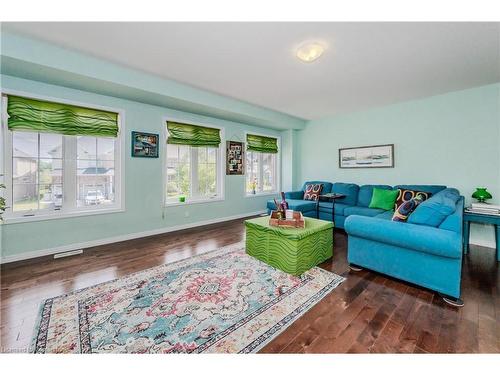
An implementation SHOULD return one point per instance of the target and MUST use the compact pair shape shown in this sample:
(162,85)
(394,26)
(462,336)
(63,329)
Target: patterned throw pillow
(406,195)
(312,192)
(406,208)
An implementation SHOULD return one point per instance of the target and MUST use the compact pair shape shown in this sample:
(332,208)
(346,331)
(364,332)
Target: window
(37,181)
(261,164)
(47,173)
(261,173)
(41,161)
(95,171)
(178,171)
(193,163)
(192,172)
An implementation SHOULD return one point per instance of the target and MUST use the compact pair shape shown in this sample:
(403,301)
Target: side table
(481,218)
(328,197)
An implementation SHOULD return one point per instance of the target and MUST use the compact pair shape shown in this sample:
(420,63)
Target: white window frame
(221,165)
(69,207)
(277,168)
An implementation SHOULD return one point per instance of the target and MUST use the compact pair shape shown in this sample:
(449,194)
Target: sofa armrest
(422,238)
(298,194)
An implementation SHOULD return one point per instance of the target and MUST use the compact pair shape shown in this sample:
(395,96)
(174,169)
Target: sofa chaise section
(428,254)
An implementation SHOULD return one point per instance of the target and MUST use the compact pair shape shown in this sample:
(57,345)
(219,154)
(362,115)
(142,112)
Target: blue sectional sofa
(356,200)
(426,250)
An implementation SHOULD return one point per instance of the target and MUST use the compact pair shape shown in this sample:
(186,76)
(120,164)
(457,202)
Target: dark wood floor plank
(428,338)
(390,297)
(341,319)
(388,339)
(369,312)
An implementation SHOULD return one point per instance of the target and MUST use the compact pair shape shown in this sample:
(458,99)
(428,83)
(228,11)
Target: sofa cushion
(297,194)
(366,192)
(340,208)
(383,199)
(339,221)
(363,211)
(386,215)
(434,211)
(349,190)
(433,189)
(296,205)
(454,221)
(327,186)
(271,206)
(406,195)
(325,206)
(405,209)
(312,192)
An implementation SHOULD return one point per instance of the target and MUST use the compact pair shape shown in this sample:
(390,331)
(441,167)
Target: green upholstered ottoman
(292,250)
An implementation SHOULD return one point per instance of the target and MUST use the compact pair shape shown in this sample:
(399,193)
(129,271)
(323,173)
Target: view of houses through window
(41,160)
(37,171)
(95,171)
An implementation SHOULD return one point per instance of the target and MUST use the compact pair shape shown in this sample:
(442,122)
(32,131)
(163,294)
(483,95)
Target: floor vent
(68,253)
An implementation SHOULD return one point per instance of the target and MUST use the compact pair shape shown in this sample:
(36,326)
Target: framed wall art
(380,156)
(144,145)
(235,158)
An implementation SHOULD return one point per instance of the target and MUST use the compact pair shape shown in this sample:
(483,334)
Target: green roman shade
(49,117)
(192,135)
(260,143)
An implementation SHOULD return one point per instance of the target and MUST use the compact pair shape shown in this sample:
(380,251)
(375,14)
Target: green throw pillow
(383,198)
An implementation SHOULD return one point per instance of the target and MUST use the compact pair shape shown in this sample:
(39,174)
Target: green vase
(481,195)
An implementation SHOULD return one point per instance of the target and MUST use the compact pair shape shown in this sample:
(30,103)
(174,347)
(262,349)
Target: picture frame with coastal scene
(235,158)
(144,145)
(378,156)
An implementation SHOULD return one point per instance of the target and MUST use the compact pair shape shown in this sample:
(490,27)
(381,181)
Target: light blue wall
(287,152)
(451,139)
(143,181)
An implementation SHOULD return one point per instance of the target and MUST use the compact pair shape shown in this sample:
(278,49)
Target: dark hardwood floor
(367,313)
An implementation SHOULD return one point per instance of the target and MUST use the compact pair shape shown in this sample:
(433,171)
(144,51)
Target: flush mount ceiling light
(310,52)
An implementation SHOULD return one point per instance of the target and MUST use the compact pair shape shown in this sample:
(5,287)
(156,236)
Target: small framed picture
(144,145)
(235,158)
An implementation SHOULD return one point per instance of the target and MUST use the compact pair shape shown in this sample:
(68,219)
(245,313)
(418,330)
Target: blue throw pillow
(433,211)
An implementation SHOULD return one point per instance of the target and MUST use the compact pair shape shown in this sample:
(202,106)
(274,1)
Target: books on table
(484,208)
(487,206)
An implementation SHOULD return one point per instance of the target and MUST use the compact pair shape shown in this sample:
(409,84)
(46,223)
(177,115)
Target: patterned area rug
(223,301)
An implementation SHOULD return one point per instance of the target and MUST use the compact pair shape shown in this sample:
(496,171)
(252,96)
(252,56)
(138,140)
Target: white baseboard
(124,237)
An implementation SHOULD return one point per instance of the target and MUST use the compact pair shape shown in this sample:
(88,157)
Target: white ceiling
(365,64)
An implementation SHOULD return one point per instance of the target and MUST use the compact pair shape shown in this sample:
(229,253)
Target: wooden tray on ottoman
(296,222)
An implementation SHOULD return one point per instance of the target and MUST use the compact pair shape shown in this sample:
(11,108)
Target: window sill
(59,215)
(266,194)
(194,201)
